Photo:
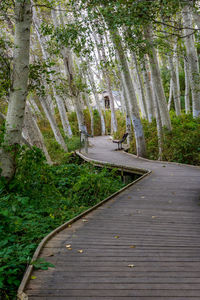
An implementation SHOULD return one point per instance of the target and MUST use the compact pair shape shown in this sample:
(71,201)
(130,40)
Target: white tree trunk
(59,101)
(34,136)
(176,64)
(192,59)
(156,79)
(52,121)
(87,100)
(96,96)
(148,90)
(187,87)
(102,57)
(176,95)
(159,128)
(134,110)
(128,117)
(170,94)
(139,83)
(23,137)
(17,98)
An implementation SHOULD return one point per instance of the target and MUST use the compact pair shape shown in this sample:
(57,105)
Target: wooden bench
(119,142)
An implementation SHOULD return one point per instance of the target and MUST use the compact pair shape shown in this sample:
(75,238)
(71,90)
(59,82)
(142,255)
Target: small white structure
(106,101)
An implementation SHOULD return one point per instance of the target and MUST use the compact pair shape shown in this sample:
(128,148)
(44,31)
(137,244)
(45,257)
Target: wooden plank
(166,256)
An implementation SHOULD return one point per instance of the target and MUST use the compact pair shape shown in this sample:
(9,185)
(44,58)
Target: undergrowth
(181,145)
(39,199)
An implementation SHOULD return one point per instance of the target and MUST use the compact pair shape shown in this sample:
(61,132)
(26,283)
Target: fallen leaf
(80,251)
(153,217)
(129,197)
(68,246)
(116,237)
(131,266)
(164,166)
(132,246)
(33,277)
(50,254)
(85,220)
(69,225)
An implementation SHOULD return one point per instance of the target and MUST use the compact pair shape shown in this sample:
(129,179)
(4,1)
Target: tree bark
(34,137)
(156,78)
(96,96)
(192,59)
(105,72)
(127,81)
(52,121)
(19,89)
(176,95)
(187,87)
(141,95)
(170,94)
(148,90)
(59,101)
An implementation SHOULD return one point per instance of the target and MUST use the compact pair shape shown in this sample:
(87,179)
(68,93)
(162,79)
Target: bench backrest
(124,137)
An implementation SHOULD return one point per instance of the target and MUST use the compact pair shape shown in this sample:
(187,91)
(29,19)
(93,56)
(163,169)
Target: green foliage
(97,123)
(121,125)
(39,73)
(37,200)
(181,145)
(74,123)
(40,263)
(107,117)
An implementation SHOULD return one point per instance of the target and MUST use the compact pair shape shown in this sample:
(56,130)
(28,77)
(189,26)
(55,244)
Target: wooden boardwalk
(143,244)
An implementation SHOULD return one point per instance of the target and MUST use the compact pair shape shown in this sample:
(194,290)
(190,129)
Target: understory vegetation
(37,200)
(181,145)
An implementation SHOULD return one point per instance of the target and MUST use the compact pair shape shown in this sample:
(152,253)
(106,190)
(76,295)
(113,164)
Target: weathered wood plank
(159,216)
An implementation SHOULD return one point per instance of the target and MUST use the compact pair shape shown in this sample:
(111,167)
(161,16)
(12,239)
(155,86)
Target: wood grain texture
(142,245)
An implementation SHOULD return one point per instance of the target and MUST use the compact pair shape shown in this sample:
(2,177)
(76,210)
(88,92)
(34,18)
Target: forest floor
(144,243)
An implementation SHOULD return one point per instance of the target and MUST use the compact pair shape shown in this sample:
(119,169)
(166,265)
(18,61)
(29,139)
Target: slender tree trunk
(192,58)
(59,101)
(176,64)
(34,107)
(170,94)
(87,100)
(142,100)
(135,117)
(156,78)
(148,90)
(128,118)
(187,87)
(52,121)
(159,129)
(17,99)
(35,137)
(102,57)
(96,96)
(176,95)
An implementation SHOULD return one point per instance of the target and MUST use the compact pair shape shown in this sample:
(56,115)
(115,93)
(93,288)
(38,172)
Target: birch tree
(18,93)
(156,78)
(192,58)
(134,110)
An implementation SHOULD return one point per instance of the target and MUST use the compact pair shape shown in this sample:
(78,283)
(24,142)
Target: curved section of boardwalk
(144,244)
